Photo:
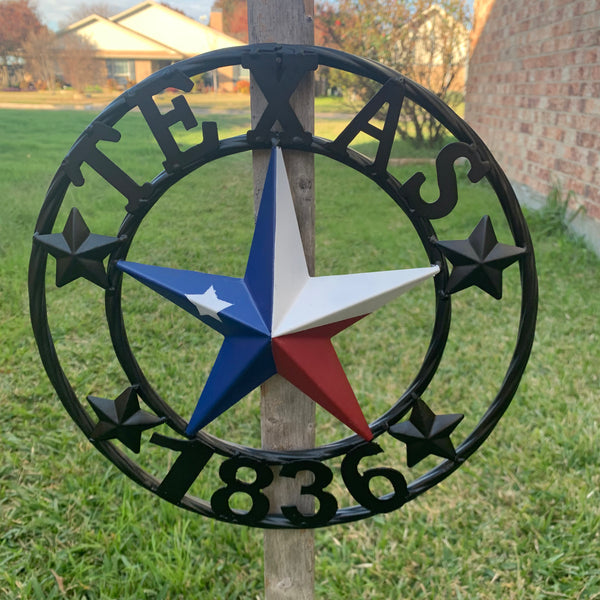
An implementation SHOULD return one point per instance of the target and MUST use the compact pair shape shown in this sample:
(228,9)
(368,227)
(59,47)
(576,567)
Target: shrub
(242,86)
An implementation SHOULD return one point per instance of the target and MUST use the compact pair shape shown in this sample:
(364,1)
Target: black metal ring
(133,219)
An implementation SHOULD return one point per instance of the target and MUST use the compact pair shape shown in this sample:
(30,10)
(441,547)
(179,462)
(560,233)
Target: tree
(102,9)
(327,25)
(18,19)
(424,40)
(40,52)
(81,11)
(175,9)
(235,18)
(77,62)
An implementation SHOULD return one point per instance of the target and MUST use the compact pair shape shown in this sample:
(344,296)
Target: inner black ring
(151,397)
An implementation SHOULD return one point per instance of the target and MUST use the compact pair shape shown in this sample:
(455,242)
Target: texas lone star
(277,318)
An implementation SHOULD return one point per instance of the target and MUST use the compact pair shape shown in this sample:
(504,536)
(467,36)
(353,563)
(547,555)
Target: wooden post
(287,415)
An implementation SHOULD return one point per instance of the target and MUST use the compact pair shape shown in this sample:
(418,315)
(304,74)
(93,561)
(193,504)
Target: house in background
(149,36)
(440,50)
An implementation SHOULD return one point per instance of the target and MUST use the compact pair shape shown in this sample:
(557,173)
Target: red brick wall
(533,92)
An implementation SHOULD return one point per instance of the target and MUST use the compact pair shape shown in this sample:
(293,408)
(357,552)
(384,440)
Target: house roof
(143,6)
(113,40)
(150,30)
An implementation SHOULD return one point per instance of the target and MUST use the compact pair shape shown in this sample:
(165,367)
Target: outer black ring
(358,66)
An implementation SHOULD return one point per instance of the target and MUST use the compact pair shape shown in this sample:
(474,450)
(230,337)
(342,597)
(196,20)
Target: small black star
(426,433)
(122,419)
(78,252)
(479,260)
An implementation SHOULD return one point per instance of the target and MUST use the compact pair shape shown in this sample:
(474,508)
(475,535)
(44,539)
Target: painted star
(78,252)
(426,433)
(122,419)
(208,303)
(278,318)
(479,260)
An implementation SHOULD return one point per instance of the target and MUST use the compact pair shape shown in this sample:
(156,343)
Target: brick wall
(533,93)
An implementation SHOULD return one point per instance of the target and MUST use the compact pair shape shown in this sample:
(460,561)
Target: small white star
(208,303)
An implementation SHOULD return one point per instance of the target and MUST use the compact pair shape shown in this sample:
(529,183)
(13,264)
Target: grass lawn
(520,520)
(68,98)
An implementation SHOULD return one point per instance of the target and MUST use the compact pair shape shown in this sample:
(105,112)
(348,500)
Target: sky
(55,12)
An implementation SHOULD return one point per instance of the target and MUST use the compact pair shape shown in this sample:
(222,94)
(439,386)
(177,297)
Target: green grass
(209,101)
(519,520)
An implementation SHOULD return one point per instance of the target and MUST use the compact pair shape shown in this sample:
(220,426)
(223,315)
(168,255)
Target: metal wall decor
(276,318)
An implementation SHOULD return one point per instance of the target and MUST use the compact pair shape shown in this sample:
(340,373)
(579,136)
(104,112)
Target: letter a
(391,93)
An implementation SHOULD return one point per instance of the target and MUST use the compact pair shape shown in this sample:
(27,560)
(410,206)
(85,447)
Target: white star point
(325,300)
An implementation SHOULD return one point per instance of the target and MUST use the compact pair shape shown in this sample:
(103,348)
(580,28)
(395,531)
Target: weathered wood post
(287,415)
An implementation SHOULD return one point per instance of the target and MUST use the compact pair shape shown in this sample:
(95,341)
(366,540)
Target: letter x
(289,69)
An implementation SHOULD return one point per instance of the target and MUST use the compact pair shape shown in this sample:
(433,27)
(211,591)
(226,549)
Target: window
(122,71)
